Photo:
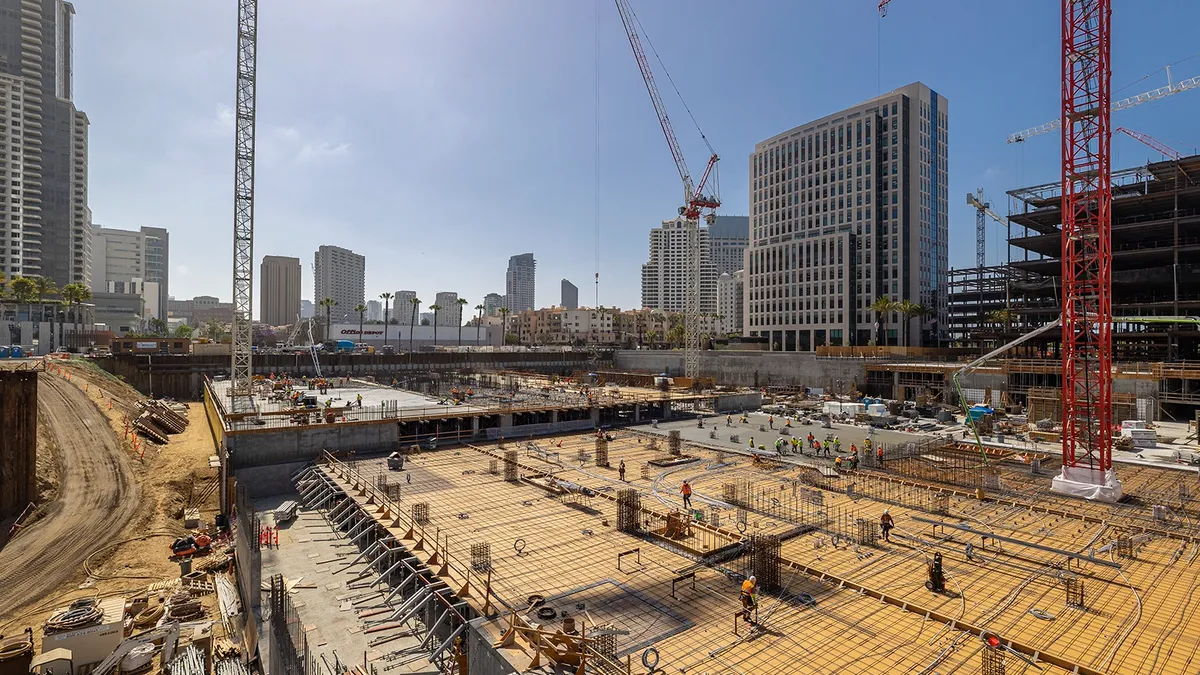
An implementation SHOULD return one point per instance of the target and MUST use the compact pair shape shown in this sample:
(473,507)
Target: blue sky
(439,138)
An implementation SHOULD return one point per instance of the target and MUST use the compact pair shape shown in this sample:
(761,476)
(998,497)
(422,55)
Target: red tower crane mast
(1087,251)
(695,201)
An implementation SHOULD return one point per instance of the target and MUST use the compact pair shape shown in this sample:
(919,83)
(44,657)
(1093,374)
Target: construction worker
(752,443)
(771,421)
(837,463)
(879,454)
(787,422)
(749,601)
(729,420)
(810,439)
(853,451)
(686,491)
(358,400)
(886,524)
(621,470)
(837,444)
(853,462)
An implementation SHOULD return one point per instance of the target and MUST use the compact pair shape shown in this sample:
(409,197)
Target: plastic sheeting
(1089,483)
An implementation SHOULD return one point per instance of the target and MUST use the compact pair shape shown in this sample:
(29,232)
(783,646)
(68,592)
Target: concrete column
(553,416)
(506,421)
(896,391)
(474,427)
(637,412)
(595,417)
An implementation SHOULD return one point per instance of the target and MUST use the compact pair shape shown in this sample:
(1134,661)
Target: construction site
(1021,501)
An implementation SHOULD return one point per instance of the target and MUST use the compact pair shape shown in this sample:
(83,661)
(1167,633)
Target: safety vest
(747,587)
(687,490)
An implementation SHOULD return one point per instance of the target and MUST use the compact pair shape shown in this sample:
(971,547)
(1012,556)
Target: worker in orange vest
(886,524)
(749,601)
(686,491)
(879,453)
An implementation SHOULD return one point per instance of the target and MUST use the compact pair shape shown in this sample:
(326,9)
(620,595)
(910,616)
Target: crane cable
(672,81)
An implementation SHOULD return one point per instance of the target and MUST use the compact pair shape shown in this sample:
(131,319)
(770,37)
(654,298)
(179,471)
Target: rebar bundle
(494,466)
(481,557)
(510,466)
(420,513)
(190,661)
(993,661)
(941,503)
(764,561)
(866,534)
(601,451)
(629,508)
(1074,588)
(1124,547)
(674,443)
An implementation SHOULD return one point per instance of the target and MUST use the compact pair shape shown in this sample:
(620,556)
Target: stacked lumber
(158,419)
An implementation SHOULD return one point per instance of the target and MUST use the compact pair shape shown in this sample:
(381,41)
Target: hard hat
(753,578)
(887,510)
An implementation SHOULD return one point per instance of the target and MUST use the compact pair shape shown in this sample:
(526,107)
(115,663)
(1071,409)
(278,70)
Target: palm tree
(387,310)
(436,308)
(412,326)
(461,302)
(44,286)
(362,310)
(328,304)
(503,325)
(479,323)
(882,307)
(910,310)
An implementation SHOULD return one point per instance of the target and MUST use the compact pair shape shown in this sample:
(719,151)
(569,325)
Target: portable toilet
(16,352)
(3,352)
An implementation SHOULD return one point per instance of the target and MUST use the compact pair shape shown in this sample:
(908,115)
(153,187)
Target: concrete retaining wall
(305,443)
(751,369)
(737,402)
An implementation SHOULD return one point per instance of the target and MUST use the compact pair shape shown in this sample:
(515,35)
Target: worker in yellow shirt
(749,598)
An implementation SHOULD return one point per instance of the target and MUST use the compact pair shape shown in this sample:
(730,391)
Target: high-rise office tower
(450,313)
(728,237)
(339,274)
(664,276)
(519,282)
(570,295)
(45,223)
(120,256)
(374,310)
(729,302)
(492,302)
(279,288)
(847,209)
(402,307)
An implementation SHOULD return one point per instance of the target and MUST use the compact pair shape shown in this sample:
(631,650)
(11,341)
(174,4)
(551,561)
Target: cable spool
(546,613)
(807,599)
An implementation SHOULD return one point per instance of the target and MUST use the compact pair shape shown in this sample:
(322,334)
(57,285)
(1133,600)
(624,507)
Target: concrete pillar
(666,410)
(553,416)
(474,427)
(506,421)
(896,391)
(596,417)
(637,412)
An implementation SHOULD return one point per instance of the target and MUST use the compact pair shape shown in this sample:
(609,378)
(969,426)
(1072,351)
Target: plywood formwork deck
(873,613)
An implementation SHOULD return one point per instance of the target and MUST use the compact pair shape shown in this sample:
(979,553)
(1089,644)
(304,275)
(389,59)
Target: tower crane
(1171,89)
(1151,142)
(241,372)
(983,211)
(695,201)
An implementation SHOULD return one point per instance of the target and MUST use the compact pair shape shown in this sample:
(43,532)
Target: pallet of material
(164,416)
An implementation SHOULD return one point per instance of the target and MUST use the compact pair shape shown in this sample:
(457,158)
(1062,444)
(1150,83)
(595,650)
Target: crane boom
(1151,142)
(695,201)
(983,210)
(1145,97)
(659,108)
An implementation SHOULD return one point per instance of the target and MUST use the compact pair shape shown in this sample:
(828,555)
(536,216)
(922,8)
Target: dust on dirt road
(98,495)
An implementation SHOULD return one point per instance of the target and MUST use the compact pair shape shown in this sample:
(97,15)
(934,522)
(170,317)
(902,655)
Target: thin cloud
(320,152)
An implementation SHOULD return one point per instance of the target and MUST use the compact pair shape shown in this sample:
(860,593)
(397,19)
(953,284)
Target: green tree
(183,331)
(461,302)
(157,327)
(653,337)
(412,326)
(387,312)
(24,291)
(328,304)
(882,307)
(362,310)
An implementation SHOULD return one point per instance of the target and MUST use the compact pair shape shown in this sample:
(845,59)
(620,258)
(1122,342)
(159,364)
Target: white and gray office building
(844,210)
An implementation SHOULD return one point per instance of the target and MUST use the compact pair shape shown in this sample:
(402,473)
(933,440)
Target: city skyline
(177,110)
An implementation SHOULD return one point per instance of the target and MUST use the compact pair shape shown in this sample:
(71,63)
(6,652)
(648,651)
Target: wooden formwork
(18,441)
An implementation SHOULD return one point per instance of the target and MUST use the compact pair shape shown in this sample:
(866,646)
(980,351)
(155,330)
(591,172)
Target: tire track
(97,497)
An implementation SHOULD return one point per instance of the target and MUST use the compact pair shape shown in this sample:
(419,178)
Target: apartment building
(279,288)
(664,276)
(519,282)
(339,274)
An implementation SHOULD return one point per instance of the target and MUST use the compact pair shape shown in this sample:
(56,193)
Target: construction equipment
(241,389)
(1171,89)
(199,544)
(1152,143)
(301,340)
(983,210)
(695,201)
